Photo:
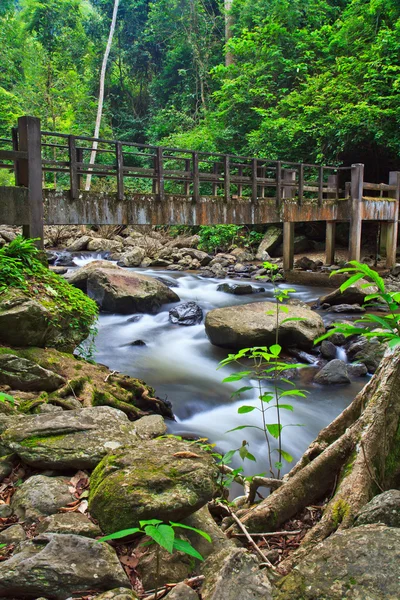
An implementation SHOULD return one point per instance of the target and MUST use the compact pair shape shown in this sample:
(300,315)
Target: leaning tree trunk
(101,91)
(351,460)
(229,60)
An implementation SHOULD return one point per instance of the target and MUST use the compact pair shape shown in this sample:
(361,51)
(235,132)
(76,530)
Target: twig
(269,534)
(250,488)
(110,375)
(369,470)
(169,586)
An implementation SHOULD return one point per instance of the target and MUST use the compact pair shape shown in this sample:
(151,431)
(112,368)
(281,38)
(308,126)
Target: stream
(181,364)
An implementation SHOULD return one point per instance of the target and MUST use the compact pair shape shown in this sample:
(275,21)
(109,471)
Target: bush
(219,238)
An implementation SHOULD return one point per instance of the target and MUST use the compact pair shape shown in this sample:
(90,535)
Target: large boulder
(76,438)
(117,290)
(384,508)
(161,478)
(251,325)
(362,563)
(22,374)
(69,522)
(237,289)
(57,566)
(270,241)
(354,294)
(132,258)
(104,245)
(40,496)
(79,244)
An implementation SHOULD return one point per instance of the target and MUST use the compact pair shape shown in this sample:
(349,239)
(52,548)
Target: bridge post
(29,175)
(330,227)
(392,227)
(357,188)
(288,191)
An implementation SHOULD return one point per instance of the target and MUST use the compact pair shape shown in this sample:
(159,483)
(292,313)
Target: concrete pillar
(30,175)
(330,242)
(392,227)
(383,240)
(288,191)
(357,182)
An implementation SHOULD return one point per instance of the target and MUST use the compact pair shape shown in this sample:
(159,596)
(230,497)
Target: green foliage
(219,238)
(6,398)
(388,324)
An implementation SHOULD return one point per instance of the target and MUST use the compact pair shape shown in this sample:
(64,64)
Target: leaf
(275,349)
(351,281)
(293,393)
(150,522)
(227,458)
(120,534)
(245,409)
(163,535)
(187,548)
(292,319)
(242,390)
(244,427)
(274,429)
(186,454)
(236,376)
(288,457)
(394,342)
(199,531)
(286,407)
(266,398)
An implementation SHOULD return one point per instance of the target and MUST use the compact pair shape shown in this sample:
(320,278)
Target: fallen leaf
(186,455)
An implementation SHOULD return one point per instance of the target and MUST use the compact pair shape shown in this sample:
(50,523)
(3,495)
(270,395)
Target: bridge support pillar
(357,186)
(392,227)
(330,242)
(288,191)
(383,238)
(29,175)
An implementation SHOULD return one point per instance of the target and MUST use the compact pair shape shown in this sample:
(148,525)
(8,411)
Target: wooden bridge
(143,184)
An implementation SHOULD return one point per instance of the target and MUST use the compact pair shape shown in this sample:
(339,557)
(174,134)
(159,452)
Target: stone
(104,245)
(77,439)
(367,351)
(7,234)
(333,373)
(70,522)
(362,563)
(188,313)
(354,294)
(25,375)
(132,258)
(384,508)
(80,244)
(117,594)
(338,339)
(203,258)
(242,254)
(59,270)
(162,478)
(249,325)
(347,308)
(357,370)
(56,566)
(146,262)
(227,573)
(305,263)
(328,350)
(182,592)
(5,511)
(272,238)
(117,290)
(238,289)
(40,496)
(13,535)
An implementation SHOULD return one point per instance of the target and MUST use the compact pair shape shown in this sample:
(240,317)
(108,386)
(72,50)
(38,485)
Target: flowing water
(181,364)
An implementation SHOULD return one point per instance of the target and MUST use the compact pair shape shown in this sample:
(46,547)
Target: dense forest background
(311,80)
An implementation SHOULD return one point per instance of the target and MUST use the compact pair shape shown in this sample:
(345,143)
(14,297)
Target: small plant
(388,324)
(5,398)
(163,535)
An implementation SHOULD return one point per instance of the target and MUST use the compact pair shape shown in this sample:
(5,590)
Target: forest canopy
(311,80)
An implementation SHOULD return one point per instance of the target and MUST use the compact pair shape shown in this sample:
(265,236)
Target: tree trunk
(229,60)
(351,460)
(101,91)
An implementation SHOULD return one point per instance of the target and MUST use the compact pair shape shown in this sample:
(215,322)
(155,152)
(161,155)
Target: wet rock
(237,289)
(355,294)
(227,572)
(117,594)
(25,375)
(338,339)
(13,535)
(367,351)
(104,245)
(328,350)
(56,566)
(188,313)
(357,370)
(40,496)
(333,373)
(80,244)
(250,325)
(64,259)
(347,308)
(59,270)
(303,356)
(384,508)
(70,522)
(163,478)
(138,343)
(117,290)
(132,258)
(356,564)
(270,241)
(77,438)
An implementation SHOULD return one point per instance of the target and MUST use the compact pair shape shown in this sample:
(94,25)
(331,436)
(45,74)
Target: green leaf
(242,390)
(292,319)
(244,427)
(288,457)
(286,407)
(236,376)
(293,393)
(245,409)
(199,531)
(274,429)
(266,398)
(275,349)
(150,522)
(120,534)
(394,342)
(186,548)
(163,535)
(227,458)
(351,281)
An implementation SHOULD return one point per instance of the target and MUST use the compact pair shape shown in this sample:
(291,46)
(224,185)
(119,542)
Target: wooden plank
(186,185)
(12,155)
(196,180)
(216,178)
(227,179)
(254,182)
(392,226)
(120,170)
(160,174)
(278,184)
(301,184)
(357,177)
(73,171)
(320,184)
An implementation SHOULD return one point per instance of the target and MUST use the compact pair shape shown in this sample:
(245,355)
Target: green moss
(392,464)
(34,441)
(340,510)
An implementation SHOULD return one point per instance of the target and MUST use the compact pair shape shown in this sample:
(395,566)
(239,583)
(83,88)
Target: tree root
(351,455)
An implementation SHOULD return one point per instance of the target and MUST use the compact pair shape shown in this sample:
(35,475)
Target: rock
(242,254)
(7,234)
(132,258)
(335,372)
(25,375)
(13,535)
(104,245)
(218,271)
(40,496)
(237,289)
(384,508)
(70,522)
(305,263)
(203,258)
(354,294)
(163,478)
(328,350)
(117,594)
(367,351)
(160,262)
(224,260)
(362,563)
(77,439)
(5,511)
(137,343)
(59,270)
(80,244)
(347,308)
(188,313)
(56,566)
(249,325)
(338,339)
(270,241)
(395,271)
(182,592)
(146,262)
(117,290)
(357,370)
(228,572)
(48,408)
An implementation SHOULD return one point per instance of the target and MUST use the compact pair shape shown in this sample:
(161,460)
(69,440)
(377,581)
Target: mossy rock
(161,478)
